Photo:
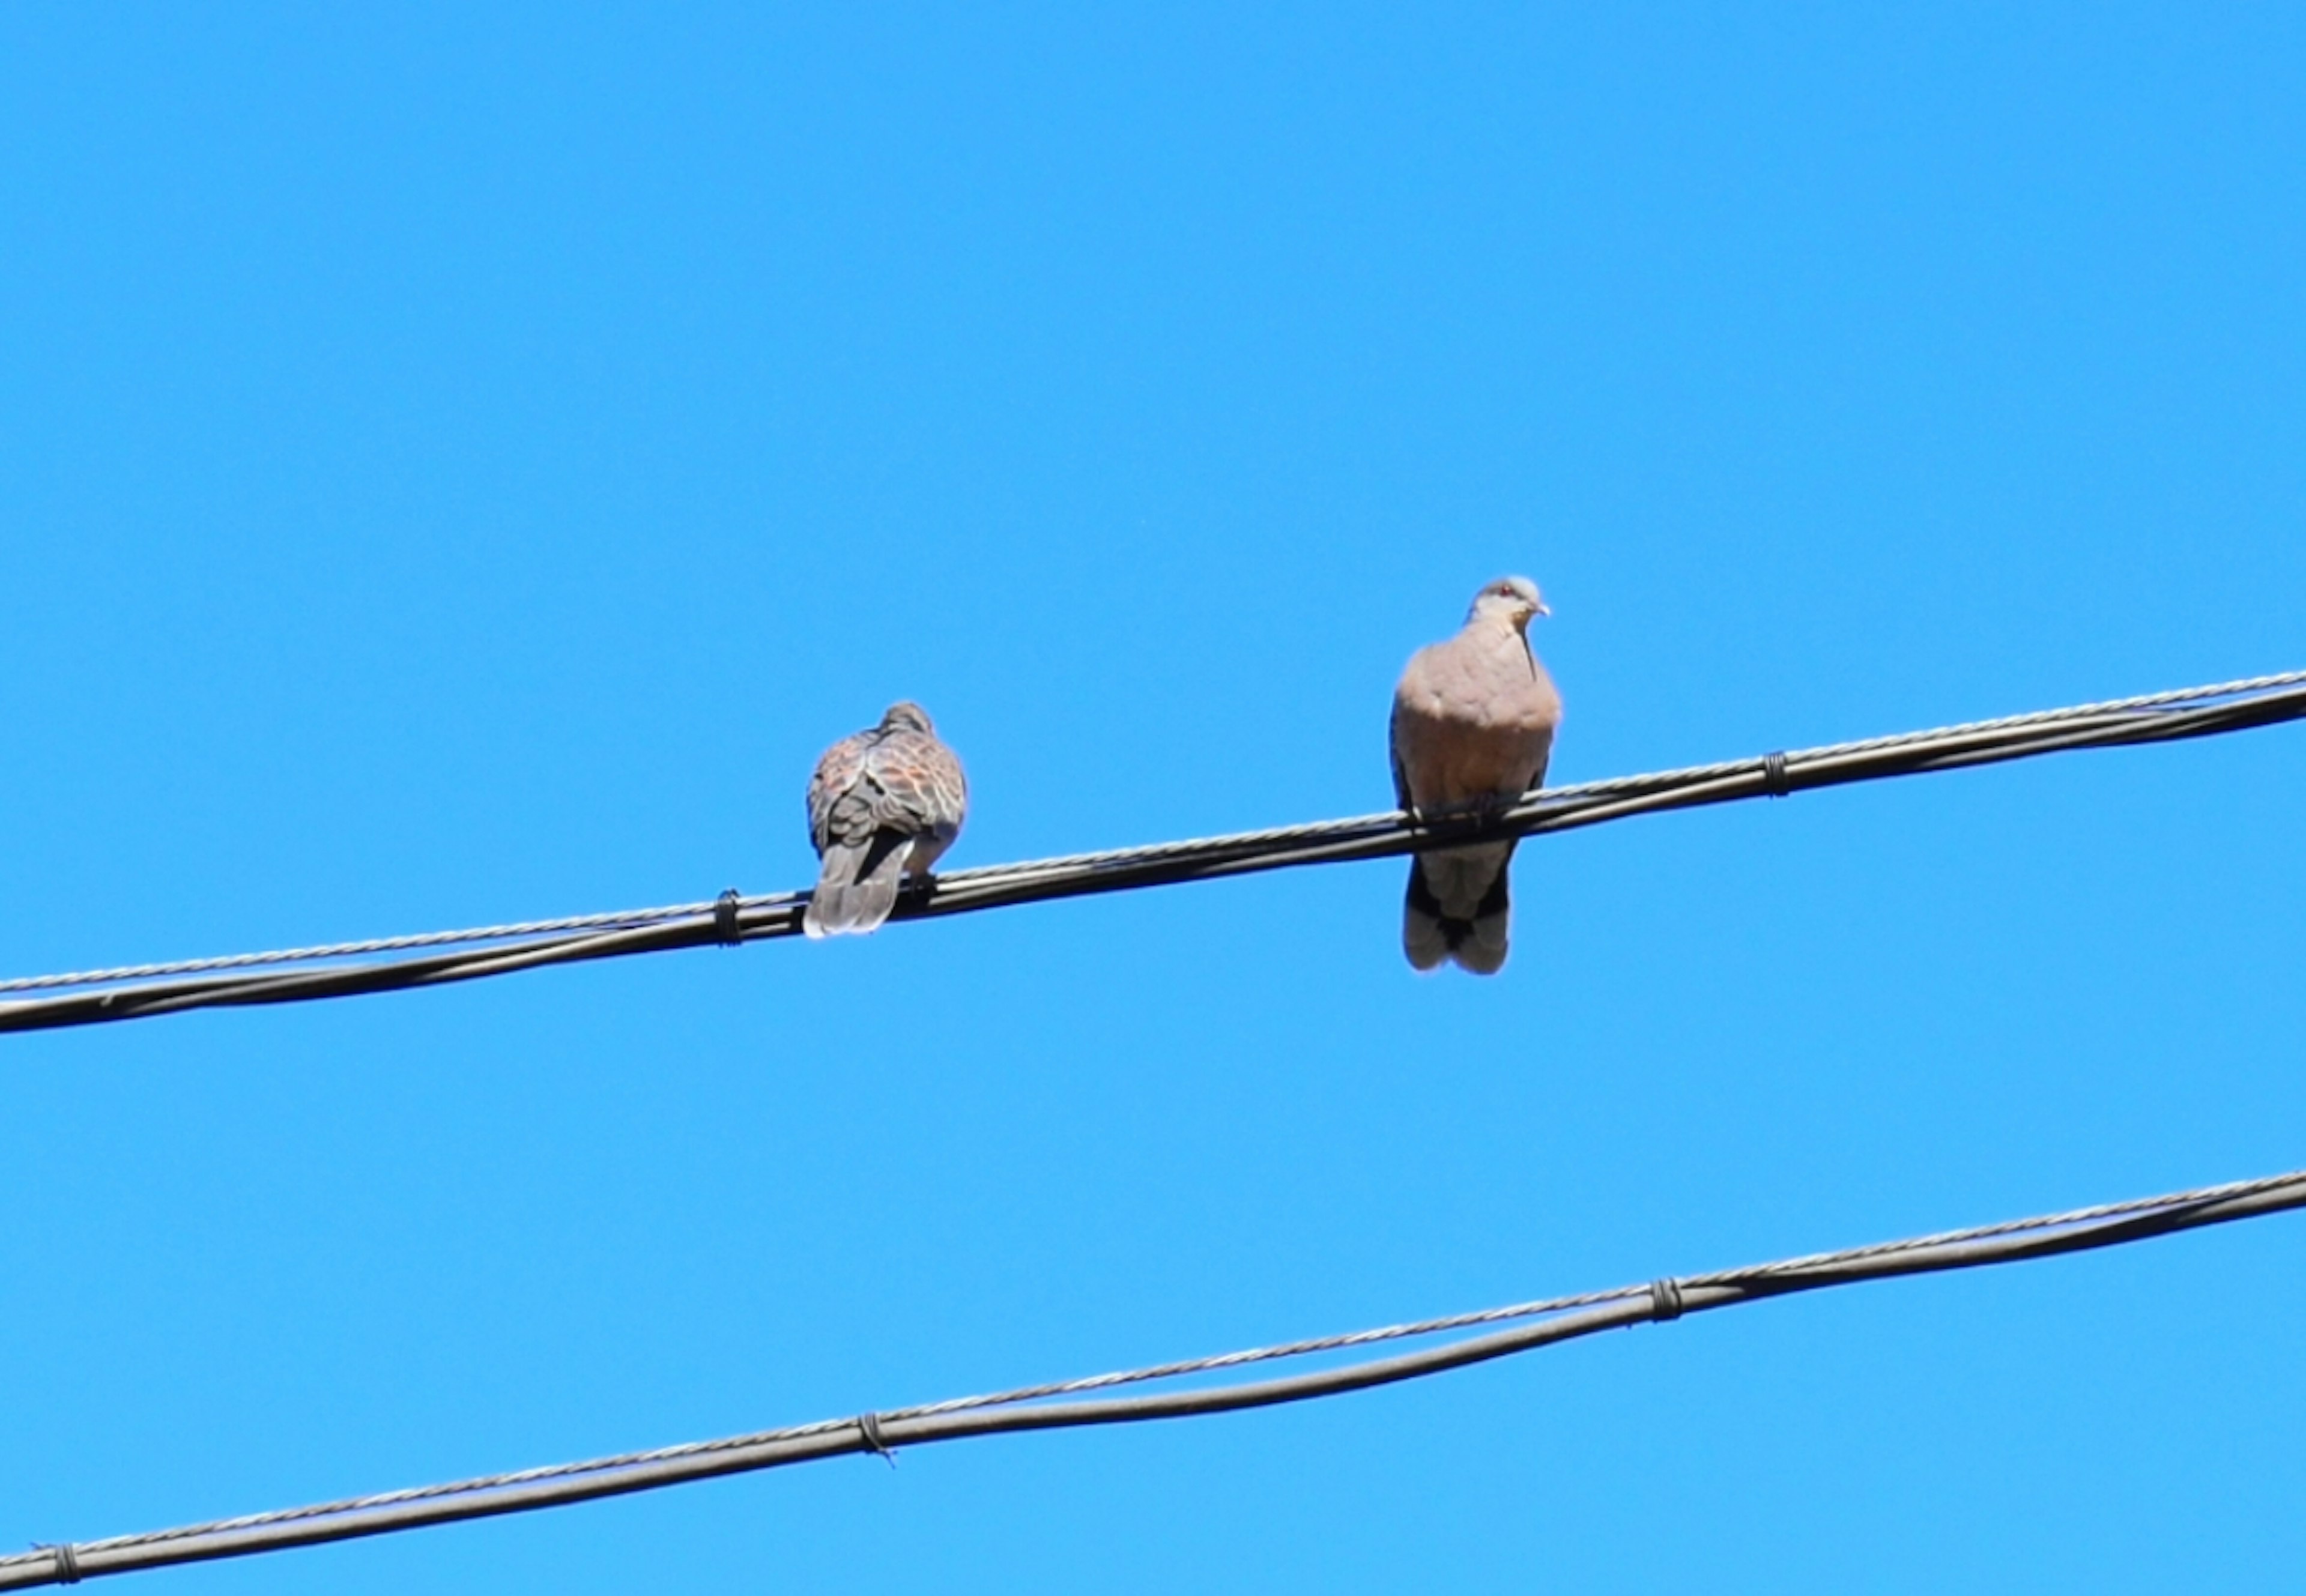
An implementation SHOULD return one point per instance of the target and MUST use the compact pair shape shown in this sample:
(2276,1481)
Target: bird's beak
(1541,609)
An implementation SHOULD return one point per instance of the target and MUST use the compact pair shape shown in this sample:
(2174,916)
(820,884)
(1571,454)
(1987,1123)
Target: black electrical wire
(1542,1324)
(400,963)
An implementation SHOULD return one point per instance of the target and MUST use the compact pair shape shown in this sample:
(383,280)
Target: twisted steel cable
(1031,1407)
(138,991)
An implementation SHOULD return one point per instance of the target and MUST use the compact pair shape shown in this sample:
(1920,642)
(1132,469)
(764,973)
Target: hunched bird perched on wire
(883,804)
(1473,718)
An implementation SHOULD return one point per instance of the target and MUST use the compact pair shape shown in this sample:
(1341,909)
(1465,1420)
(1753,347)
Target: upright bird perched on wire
(1472,726)
(881,806)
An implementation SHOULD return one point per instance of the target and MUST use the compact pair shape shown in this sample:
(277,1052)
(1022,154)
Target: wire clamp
(868,1425)
(67,1561)
(724,919)
(1774,780)
(1665,1300)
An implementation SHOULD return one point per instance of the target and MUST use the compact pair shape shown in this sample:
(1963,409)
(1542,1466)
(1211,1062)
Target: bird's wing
(833,792)
(918,786)
(1393,747)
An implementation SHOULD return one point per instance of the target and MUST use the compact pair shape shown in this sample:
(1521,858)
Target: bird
(883,804)
(1473,718)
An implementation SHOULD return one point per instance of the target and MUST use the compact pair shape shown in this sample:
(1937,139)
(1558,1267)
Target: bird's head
(1510,599)
(905,715)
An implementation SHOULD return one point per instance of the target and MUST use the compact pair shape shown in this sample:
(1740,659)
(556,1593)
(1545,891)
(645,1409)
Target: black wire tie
(724,919)
(1774,775)
(868,1425)
(1665,1300)
(67,1562)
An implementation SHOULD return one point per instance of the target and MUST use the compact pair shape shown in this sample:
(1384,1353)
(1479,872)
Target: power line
(137,991)
(1037,1407)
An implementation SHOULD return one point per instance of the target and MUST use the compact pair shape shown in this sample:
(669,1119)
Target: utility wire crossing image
(1533,1324)
(391,964)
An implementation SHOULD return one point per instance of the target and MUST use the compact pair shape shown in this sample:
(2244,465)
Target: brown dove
(1472,725)
(882,804)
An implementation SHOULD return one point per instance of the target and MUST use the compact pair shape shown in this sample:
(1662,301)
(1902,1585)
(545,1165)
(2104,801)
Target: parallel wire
(617,918)
(134,991)
(1031,1407)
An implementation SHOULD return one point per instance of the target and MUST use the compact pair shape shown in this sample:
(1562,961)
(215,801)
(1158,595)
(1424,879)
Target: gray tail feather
(857,888)
(1466,921)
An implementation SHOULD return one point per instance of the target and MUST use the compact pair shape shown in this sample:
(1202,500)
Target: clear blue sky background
(462,463)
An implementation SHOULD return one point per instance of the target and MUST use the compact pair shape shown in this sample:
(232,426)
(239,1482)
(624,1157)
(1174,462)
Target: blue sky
(462,463)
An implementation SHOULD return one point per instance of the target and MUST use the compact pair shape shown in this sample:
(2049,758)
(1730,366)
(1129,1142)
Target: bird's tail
(857,888)
(1459,907)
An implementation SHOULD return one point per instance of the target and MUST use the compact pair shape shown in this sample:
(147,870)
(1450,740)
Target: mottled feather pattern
(883,804)
(835,777)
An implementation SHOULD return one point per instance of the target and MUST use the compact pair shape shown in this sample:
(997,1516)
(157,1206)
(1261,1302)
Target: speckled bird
(883,804)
